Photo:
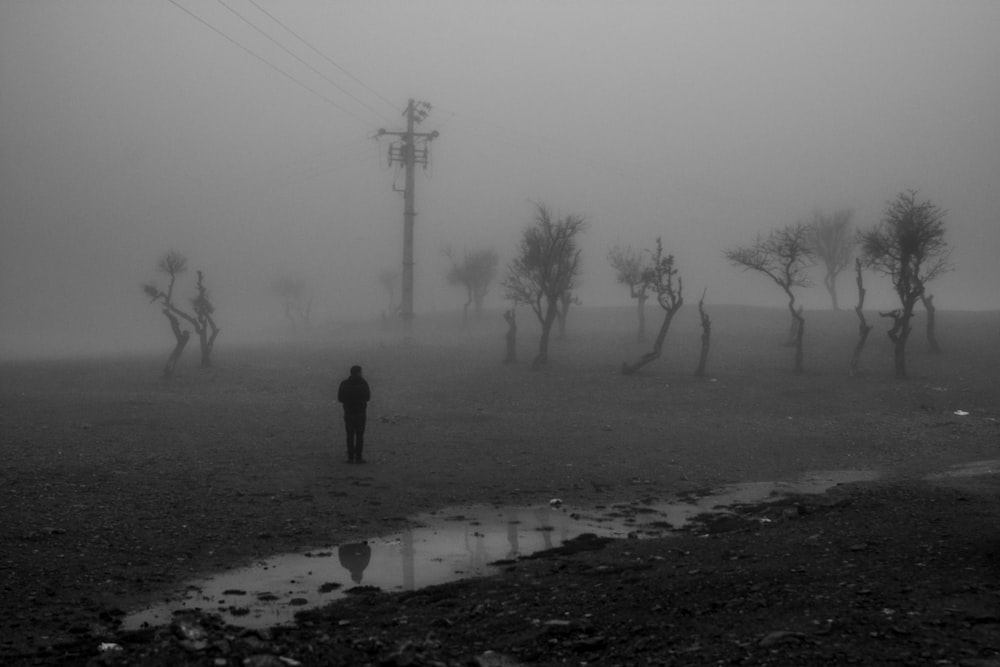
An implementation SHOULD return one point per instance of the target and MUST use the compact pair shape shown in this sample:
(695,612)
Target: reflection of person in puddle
(512,537)
(354,557)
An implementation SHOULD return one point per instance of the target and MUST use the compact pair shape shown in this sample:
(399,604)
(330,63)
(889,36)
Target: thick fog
(128,129)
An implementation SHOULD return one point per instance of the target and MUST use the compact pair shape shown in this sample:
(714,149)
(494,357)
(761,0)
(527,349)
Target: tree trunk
(465,307)
(206,351)
(511,357)
(653,355)
(863,327)
(798,329)
(706,338)
(793,328)
(830,281)
(898,334)
(928,302)
(801,329)
(899,354)
(551,314)
(181,340)
(640,335)
(561,314)
(207,333)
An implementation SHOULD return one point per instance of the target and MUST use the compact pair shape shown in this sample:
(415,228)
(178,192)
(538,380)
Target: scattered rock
(781,637)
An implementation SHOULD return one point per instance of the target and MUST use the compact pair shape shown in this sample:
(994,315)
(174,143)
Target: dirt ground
(118,486)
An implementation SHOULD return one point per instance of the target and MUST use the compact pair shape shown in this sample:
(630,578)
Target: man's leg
(351,447)
(359,429)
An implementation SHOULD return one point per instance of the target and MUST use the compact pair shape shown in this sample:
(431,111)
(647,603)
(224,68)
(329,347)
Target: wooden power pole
(411,150)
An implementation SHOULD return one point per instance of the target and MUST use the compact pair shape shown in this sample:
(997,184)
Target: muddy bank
(875,574)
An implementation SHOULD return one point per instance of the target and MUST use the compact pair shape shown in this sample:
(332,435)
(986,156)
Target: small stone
(194,645)
(262,660)
(781,637)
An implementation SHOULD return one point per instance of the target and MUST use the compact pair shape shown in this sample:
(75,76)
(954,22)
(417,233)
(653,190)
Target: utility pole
(409,154)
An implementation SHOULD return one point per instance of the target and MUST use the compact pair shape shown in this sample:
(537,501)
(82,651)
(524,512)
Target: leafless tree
(666,283)
(295,300)
(545,267)
(475,273)
(204,324)
(632,270)
(907,245)
(863,327)
(784,255)
(706,335)
(173,264)
(832,241)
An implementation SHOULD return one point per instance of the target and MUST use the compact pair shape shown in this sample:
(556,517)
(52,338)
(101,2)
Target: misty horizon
(131,129)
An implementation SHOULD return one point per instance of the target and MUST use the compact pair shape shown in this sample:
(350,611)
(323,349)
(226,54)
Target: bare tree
(863,327)
(475,273)
(908,246)
(666,283)
(174,264)
(545,267)
(631,270)
(204,325)
(706,335)
(784,255)
(833,244)
(295,300)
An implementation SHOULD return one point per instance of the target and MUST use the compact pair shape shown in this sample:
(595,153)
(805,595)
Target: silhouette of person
(354,393)
(355,557)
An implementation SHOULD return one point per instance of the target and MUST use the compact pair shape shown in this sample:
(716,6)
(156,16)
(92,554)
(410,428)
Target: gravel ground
(117,487)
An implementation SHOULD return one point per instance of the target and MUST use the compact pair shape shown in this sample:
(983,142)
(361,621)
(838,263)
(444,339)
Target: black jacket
(354,394)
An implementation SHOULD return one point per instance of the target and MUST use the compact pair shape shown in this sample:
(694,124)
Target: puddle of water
(973,469)
(445,546)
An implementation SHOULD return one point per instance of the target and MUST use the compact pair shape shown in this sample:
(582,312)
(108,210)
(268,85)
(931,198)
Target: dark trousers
(355,425)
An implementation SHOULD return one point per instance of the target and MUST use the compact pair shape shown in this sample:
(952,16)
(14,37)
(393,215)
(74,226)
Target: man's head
(356,371)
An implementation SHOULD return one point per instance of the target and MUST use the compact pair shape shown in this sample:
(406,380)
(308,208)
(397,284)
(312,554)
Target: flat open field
(117,485)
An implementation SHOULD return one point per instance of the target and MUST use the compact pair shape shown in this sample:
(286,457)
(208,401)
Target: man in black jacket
(354,393)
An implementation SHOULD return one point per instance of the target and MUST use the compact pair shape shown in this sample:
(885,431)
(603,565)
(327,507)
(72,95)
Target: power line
(267,62)
(324,56)
(296,56)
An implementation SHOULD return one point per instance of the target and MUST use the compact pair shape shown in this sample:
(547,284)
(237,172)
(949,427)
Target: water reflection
(972,469)
(444,546)
(355,557)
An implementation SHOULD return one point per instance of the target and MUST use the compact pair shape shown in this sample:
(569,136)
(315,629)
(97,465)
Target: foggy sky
(131,128)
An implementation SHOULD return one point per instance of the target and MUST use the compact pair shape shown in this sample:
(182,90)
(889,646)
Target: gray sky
(128,128)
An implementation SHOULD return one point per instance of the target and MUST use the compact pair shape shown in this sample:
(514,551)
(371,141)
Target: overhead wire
(267,62)
(325,57)
(297,57)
